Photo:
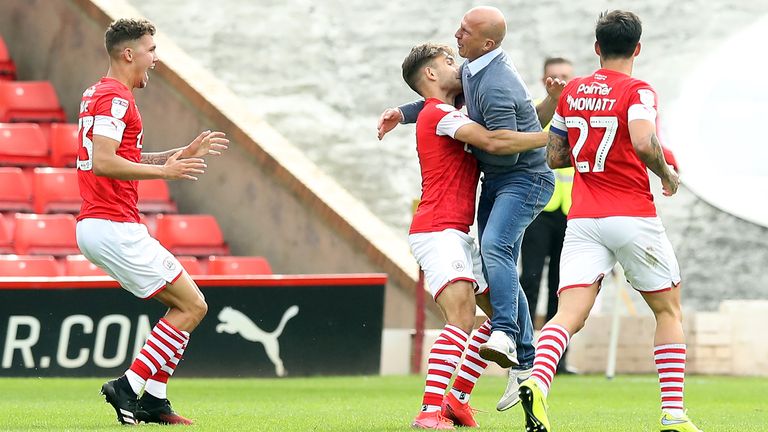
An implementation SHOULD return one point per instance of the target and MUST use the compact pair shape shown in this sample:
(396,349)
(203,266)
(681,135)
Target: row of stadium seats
(78,265)
(25,144)
(54,234)
(55,190)
(30,102)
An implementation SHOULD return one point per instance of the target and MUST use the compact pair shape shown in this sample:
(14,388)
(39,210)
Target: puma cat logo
(233,321)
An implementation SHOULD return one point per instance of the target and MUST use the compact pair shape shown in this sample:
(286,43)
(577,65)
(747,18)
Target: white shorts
(125,251)
(446,257)
(640,244)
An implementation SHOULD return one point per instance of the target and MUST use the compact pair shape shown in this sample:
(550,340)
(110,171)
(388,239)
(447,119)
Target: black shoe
(565,370)
(155,410)
(120,395)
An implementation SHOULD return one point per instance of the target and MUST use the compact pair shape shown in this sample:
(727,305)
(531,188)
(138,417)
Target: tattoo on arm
(157,158)
(654,159)
(558,152)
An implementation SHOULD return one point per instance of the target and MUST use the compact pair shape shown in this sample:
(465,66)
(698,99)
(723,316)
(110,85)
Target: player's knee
(493,251)
(463,317)
(669,311)
(199,309)
(573,321)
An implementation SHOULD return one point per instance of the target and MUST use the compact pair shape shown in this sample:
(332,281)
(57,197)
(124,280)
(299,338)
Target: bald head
(489,21)
(482,30)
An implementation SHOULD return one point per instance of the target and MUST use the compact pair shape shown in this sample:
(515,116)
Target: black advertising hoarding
(257,327)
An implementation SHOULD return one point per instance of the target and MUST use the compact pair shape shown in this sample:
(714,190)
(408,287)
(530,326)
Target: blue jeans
(508,204)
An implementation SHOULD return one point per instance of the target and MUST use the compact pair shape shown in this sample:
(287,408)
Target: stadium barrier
(259,326)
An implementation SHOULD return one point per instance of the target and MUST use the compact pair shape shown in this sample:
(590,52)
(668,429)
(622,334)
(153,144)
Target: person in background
(544,236)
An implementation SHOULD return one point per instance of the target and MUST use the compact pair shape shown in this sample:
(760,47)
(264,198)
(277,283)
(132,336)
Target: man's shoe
(500,349)
(566,370)
(460,413)
(154,410)
(535,407)
(119,394)
(670,423)
(431,420)
(511,396)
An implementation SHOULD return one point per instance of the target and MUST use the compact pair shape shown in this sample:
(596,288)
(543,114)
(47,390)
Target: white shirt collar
(484,60)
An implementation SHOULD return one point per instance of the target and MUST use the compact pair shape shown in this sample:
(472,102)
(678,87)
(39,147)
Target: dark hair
(419,57)
(617,33)
(124,30)
(555,60)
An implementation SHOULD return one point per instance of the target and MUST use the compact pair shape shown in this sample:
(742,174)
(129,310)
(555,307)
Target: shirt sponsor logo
(594,88)
(119,107)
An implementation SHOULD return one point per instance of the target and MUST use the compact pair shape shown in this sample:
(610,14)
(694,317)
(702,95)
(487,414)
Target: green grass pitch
(581,403)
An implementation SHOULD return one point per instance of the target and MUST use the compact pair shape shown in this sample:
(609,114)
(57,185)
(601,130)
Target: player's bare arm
(649,150)
(546,108)
(206,144)
(107,163)
(558,151)
(502,141)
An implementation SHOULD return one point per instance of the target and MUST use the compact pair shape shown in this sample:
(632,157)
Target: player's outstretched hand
(176,168)
(671,183)
(388,120)
(555,87)
(206,144)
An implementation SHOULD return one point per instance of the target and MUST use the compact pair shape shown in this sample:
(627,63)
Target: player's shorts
(125,251)
(446,257)
(593,245)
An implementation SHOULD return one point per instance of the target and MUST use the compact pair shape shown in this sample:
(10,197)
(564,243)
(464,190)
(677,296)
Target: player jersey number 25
(609,123)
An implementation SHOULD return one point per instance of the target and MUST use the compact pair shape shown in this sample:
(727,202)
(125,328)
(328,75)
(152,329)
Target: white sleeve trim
(451,122)
(641,112)
(109,127)
(558,122)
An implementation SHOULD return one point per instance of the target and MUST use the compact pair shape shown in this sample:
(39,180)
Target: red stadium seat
(197,235)
(56,191)
(29,266)
(6,235)
(238,265)
(36,234)
(78,265)
(154,197)
(23,144)
(29,101)
(191,265)
(15,193)
(7,66)
(64,145)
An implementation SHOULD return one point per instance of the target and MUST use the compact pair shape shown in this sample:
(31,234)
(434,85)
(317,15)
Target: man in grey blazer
(515,187)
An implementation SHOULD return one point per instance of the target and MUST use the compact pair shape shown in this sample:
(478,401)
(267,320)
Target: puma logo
(233,321)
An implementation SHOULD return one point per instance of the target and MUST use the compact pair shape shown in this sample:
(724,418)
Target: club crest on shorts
(458,265)
(169,263)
